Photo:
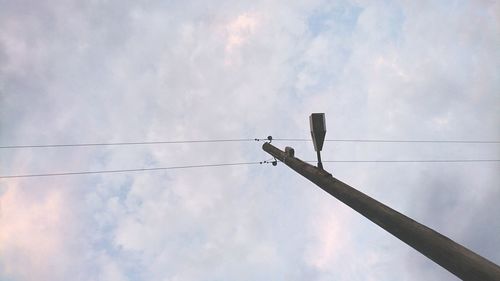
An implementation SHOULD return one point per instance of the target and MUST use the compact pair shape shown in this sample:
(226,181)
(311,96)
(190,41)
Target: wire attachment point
(269,138)
(270,161)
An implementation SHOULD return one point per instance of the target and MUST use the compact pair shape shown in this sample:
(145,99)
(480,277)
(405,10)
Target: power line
(123,143)
(129,170)
(238,164)
(412,161)
(241,140)
(393,141)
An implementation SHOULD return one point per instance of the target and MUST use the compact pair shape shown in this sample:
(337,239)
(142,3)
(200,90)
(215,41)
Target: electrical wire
(239,164)
(393,141)
(129,170)
(412,161)
(123,143)
(243,140)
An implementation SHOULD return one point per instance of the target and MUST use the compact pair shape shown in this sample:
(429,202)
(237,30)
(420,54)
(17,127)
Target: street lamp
(318,132)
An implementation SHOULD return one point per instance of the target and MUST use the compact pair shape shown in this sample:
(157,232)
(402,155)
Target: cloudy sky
(112,71)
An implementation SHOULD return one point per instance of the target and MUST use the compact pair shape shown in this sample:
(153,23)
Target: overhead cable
(413,161)
(129,170)
(238,164)
(393,141)
(122,143)
(240,140)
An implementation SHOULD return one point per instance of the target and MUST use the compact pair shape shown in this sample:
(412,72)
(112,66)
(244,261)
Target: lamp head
(318,130)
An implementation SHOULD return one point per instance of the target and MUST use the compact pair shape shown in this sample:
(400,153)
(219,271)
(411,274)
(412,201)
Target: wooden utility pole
(452,256)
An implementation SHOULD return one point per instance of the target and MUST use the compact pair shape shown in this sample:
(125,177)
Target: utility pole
(452,256)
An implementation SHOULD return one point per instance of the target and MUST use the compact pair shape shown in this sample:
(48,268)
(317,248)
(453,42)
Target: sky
(118,71)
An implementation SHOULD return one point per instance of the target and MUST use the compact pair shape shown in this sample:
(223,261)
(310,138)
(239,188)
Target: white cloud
(240,29)
(122,71)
